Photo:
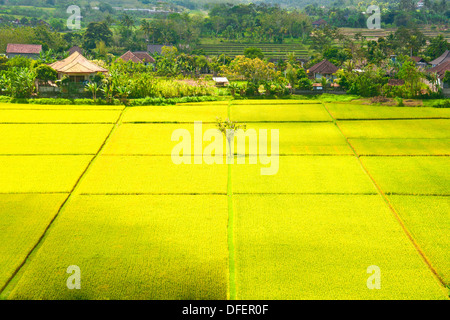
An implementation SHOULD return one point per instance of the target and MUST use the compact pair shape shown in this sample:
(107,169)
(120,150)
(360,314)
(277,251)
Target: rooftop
(23,48)
(324,67)
(440,69)
(76,64)
(443,58)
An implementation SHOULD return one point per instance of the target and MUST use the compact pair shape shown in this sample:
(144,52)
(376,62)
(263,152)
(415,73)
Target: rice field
(270,50)
(352,186)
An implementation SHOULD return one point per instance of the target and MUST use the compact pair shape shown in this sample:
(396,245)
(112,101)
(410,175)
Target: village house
(440,70)
(323,69)
(31,51)
(443,58)
(221,81)
(77,68)
(156,48)
(137,57)
(420,62)
(75,49)
(319,23)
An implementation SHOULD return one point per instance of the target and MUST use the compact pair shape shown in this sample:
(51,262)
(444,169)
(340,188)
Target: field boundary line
(21,268)
(45,154)
(308,193)
(419,250)
(392,119)
(239,121)
(230,230)
(198,155)
(53,123)
(152,194)
(63,109)
(404,155)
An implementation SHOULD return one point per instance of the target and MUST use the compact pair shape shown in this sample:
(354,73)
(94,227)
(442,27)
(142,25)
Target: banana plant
(93,88)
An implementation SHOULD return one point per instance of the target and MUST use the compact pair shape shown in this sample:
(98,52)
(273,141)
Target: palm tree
(147,28)
(127,21)
(109,20)
(324,82)
(233,87)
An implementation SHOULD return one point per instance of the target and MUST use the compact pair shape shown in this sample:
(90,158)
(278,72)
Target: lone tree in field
(228,128)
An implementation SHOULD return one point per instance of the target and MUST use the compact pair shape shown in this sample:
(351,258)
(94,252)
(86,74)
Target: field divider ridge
(419,250)
(230,230)
(14,278)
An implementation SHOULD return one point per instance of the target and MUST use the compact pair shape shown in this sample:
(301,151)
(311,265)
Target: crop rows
(356,186)
(269,50)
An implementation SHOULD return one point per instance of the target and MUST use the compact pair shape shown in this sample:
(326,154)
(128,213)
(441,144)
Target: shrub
(159,101)
(399,102)
(5,99)
(444,103)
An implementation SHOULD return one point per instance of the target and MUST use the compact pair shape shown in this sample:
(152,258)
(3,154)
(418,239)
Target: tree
(105,7)
(291,76)
(109,20)
(101,49)
(323,82)
(446,78)
(46,73)
(148,29)
(3,63)
(127,21)
(409,73)
(96,32)
(303,82)
(437,46)
(21,82)
(253,52)
(254,70)
(228,129)
(93,88)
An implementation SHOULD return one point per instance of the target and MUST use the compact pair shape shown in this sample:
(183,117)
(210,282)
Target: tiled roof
(129,56)
(440,69)
(324,67)
(23,48)
(75,49)
(418,59)
(137,57)
(443,58)
(144,56)
(76,64)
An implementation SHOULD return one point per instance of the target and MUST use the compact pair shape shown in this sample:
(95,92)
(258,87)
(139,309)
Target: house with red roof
(440,70)
(31,51)
(323,69)
(441,59)
(137,57)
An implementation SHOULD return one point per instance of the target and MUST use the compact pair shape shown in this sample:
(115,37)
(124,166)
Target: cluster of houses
(76,67)
(79,69)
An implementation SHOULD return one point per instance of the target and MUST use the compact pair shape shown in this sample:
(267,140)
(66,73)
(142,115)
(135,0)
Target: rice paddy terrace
(271,51)
(374,34)
(95,187)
